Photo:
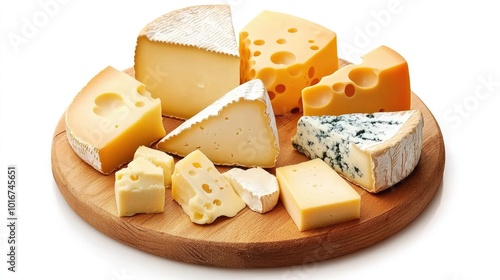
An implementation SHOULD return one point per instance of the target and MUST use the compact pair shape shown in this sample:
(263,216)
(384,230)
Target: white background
(453,52)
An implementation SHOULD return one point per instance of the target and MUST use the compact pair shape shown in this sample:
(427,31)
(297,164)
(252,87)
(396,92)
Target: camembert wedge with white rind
(202,192)
(190,57)
(239,129)
(110,118)
(258,188)
(374,151)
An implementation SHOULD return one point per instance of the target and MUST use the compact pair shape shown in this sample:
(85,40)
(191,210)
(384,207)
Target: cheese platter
(250,239)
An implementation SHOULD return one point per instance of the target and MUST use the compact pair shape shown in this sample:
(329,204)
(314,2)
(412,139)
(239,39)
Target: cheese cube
(110,118)
(238,129)
(381,83)
(258,188)
(190,57)
(202,192)
(139,188)
(287,53)
(160,159)
(316,196)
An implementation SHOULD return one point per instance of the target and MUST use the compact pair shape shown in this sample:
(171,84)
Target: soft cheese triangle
(110,118)
(258,188)
(190,57)
(374,151)
(239,129)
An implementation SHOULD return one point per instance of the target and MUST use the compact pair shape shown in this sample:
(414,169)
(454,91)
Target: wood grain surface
(250,239)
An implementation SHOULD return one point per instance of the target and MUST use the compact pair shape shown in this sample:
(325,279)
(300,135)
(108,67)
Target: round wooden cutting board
(250,239)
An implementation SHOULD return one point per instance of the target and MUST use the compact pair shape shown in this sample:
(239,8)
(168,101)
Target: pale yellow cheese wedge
(160,159)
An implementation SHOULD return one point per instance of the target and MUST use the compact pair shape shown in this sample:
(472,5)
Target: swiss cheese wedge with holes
(381,83)
(188,58)
(287,53)
(110,118)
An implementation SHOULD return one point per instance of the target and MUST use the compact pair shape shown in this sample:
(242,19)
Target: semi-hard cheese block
(202,192)
(374,151)
(381,83)
(110,118)
(188,58)
(258,188)
(288,53)
(139,188)
(238,129)
(160,159)
(316,196)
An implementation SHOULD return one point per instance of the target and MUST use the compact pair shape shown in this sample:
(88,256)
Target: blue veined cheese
(374,151)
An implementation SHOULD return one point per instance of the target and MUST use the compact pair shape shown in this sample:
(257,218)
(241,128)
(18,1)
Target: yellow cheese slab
(160,159)
(288,53)
(314,195)
(381,83)
(110,118)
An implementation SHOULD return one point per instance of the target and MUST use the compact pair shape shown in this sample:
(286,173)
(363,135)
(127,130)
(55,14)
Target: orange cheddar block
(381,83)
(287,53)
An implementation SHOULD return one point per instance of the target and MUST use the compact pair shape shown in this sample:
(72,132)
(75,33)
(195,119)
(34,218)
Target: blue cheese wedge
(374,151)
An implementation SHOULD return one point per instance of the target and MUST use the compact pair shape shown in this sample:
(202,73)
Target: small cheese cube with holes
(139,188)
(202,191)
(160,159)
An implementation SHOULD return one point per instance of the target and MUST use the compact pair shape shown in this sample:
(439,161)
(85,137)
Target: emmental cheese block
(381,83)
(110,118)
(202,192)
(374,151)
(288,53)
(316,196)
(139,188)
(239,129)
(160,159)
(258,188)
(188,58)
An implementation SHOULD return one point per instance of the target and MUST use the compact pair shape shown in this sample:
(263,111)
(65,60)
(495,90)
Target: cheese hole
(280,88)
(208,206)
(256,53)
(206,188)
(259,42)
(382,110)
(283,57)
(294,70)
(310,41)
(119,177)
(295,110)
(338,87)
(349,90)
(310,72)
(243,35)
(314,81)
(363,76)
(192,173)
(141,89)
(107,104)
(271,94)
(251,74)
(139,104)
(217,202)
(281,41)
(292,30)
(197,165)
(134,177)
(268,76)
(314,48)
(197,216)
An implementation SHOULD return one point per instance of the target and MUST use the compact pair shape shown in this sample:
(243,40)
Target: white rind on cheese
(207,27)
(374,151)
(258,188)
(266,138)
